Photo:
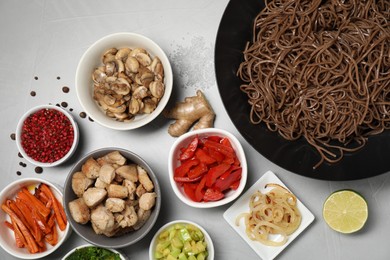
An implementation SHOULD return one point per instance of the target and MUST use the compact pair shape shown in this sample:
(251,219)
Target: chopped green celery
(201,256)
(187,247)
(170,257)
(191,257)
(181,242)
(185,235)
(158,255)
(179,226)
(200,246)
(183,256)
(162,245)
(176,242)
(172,234)
(163,235)
(175,252)
(166,252)
(197,235)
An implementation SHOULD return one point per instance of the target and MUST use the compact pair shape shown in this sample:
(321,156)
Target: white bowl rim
(116,125)
(210,245)
(121,254)
(239,151)
(66,232)
(34,110)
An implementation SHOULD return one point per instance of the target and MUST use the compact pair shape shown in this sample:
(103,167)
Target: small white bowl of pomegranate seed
(47,135)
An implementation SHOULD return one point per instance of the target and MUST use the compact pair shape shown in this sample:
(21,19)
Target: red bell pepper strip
(189,190)
(225,150)
(227,173)
(198,170)
(219,157)
(225,184)
(183,169)
(226,142)
(212,195)
(199,190)
(235,185)
(204,157)
(214,138)
(215,172)
(189,151)
(187,179)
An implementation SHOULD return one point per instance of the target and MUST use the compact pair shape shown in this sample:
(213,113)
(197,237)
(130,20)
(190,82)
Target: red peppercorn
(47,135)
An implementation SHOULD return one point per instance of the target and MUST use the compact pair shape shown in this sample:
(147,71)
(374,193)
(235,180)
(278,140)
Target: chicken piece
(117,191)
(113,158)
(91,168)
(101,161)
(79,211)
(128,172)
(118,178)
(102,219)
(100,184)
(94,196)
(107,173)
(115,204)
(131,187)
(143,216)
(80,182)
(147,200)
(140,190)
(144,179)
(127,217)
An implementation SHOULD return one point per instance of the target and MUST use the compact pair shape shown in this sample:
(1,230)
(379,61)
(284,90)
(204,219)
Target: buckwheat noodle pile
(320,70)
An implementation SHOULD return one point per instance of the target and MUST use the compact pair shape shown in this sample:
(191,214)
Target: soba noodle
(320,70)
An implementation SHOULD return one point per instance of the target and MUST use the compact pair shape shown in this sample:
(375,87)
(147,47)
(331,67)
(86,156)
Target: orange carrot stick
(51,220)
(60,221)
(19,238)
(30,222)
(52,238)
(9,225)
(36,202)
(30,242)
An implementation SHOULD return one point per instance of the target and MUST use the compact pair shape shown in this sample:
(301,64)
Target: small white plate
(242,205)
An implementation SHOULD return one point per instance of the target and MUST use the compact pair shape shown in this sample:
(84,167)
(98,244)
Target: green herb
(93,253)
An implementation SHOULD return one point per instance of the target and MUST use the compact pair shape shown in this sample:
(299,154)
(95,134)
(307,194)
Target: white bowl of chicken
(112,198)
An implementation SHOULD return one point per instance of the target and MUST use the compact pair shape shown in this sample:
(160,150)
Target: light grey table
(41,43)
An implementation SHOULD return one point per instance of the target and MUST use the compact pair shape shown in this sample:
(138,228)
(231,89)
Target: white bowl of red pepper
(47,135)
(207,168)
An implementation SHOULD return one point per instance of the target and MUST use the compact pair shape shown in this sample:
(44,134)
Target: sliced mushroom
(122,53)
(140,92)
(157,89)
(135,51)
(132,64)
(149,105)
(143,58)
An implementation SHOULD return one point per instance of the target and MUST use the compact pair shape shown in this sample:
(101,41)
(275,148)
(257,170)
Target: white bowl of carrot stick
(32,218)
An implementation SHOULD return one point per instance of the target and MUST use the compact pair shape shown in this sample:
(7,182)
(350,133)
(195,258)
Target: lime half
(345,211)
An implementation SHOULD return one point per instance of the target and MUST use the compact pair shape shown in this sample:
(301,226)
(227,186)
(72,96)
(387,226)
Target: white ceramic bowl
(121,255)
(19,132)
(174,162)
(7,239)
(153,243)
(91,59)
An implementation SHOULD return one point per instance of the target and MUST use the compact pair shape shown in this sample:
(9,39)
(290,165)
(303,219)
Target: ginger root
(186,113)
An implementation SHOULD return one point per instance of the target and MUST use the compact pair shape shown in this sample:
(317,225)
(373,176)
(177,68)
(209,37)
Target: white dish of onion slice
(241,206)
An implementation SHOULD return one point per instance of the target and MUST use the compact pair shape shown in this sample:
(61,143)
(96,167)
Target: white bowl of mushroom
(124,81)
(112,198)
